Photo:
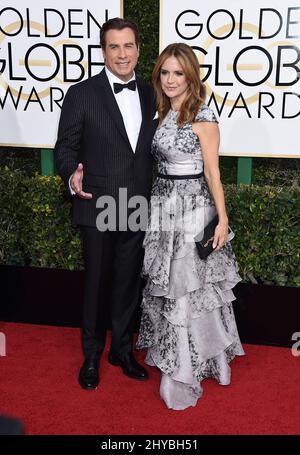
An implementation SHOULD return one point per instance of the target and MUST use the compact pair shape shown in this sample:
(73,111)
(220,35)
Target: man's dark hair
(117,23)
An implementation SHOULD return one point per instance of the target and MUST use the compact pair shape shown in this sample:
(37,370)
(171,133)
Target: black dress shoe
(89,374)
(129,366)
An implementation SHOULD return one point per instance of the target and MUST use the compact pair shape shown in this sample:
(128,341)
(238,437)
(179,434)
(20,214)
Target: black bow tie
(119,87)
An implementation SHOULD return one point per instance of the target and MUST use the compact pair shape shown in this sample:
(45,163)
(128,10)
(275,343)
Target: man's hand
(76,183)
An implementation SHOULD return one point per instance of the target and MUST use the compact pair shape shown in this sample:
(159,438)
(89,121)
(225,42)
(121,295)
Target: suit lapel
(107,97)
(146,114)
(104,91)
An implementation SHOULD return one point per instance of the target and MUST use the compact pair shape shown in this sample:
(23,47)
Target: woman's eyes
(177,73)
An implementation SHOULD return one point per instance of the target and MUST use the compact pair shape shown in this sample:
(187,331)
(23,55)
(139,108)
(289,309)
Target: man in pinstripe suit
(103,145)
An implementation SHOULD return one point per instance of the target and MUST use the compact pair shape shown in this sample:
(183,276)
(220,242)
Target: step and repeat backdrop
(45,47)
(249,56)
(248,53)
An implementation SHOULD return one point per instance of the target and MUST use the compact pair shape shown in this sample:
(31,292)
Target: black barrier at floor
(265,314)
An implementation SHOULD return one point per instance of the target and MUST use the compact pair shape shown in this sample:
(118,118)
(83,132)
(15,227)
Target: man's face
(121,52)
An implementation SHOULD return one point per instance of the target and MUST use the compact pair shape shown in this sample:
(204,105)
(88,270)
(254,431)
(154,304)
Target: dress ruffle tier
(187,325)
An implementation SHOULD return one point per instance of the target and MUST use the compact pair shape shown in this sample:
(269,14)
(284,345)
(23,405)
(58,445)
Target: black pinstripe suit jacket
(91,131)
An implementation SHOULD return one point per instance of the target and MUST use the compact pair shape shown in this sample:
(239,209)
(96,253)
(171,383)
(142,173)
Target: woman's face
(173,81)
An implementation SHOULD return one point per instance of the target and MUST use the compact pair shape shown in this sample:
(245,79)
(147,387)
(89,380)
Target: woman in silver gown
(188,325)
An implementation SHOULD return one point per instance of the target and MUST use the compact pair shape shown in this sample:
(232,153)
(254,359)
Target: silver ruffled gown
(188,325)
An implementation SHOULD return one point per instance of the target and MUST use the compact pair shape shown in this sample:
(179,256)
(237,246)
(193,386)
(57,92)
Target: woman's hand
(221,235)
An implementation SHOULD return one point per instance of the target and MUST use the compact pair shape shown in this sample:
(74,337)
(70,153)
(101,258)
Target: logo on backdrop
(249,57)
(42,52)
(264,55)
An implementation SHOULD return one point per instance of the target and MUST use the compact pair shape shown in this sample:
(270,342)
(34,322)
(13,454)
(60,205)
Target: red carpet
(38,384)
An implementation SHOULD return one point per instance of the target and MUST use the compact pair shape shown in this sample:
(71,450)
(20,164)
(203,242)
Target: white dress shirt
(130,108)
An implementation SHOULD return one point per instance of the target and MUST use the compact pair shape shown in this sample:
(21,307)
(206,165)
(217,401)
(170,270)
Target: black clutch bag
(205,245)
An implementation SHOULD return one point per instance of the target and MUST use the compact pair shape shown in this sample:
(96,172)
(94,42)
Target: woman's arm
(209,137)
